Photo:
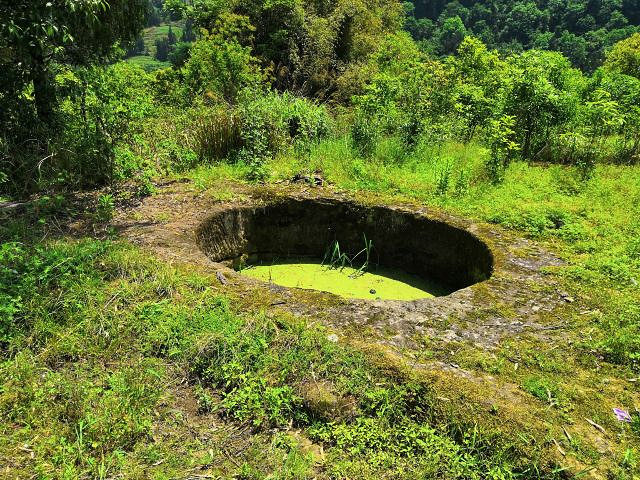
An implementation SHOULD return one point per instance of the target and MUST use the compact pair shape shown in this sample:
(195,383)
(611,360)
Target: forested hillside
(126,352)
(581,29)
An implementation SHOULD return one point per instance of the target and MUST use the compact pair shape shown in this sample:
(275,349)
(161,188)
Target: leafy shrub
(461,187)
(274,122)
(168,88)
(105,209)
(179,54)
(542,97)
(101,108)
(624,57)
(129,164)
(501,139)
(261,139)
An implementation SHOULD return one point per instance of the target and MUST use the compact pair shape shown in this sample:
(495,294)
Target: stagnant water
(378,284)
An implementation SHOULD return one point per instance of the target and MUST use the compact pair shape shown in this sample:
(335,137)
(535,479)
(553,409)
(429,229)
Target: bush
(179,54)
(542,97)
(100,115)
(99,108)
(274,122)
(501,139)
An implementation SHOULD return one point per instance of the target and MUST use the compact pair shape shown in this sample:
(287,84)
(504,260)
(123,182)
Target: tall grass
(335,258)
(218,134)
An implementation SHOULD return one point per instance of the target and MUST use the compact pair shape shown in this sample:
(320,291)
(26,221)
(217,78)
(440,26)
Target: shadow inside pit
(405,243)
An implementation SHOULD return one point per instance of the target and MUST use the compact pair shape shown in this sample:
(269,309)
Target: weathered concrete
(304,227)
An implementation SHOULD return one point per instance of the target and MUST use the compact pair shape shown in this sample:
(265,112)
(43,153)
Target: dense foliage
(39,44)
(533,105)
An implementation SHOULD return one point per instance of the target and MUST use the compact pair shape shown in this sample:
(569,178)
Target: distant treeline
(581,29)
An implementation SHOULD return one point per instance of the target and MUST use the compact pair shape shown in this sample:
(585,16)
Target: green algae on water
(382,284)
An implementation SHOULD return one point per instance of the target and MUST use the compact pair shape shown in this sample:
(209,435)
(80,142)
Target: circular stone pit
(306,227)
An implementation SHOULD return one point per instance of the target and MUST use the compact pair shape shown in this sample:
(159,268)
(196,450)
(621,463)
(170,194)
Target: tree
(219,69)
(625,91)
(307,45)
(625,56)
(574,48)
(162,49)
(582,29)
(34,36)
(138,48)
(188,34)
(100,107)
(451,34)
(171,37)
(541,97)
(479,74)
(179,54)
(523,21)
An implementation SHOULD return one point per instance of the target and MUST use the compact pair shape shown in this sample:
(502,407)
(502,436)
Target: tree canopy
(306,45)
(624,57)
(583,30)
(35,35)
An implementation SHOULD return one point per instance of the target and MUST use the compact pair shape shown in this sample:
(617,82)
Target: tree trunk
(43,90)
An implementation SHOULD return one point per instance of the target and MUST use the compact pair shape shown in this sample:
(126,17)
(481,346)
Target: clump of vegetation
(336,259)
(218,135)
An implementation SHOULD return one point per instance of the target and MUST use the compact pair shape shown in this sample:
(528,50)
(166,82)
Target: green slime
(383,284)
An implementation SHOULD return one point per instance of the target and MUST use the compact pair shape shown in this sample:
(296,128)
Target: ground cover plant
(116,364)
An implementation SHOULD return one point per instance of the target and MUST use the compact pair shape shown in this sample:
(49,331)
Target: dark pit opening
(295,228)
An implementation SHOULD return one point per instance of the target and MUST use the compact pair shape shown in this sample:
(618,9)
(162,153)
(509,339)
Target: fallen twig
(220,276)
(595,425)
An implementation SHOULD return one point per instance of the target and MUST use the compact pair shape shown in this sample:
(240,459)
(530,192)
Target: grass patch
(147,63)
(107,328)
(97,331)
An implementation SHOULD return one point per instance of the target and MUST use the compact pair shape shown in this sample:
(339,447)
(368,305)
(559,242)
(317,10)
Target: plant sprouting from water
(335,258)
